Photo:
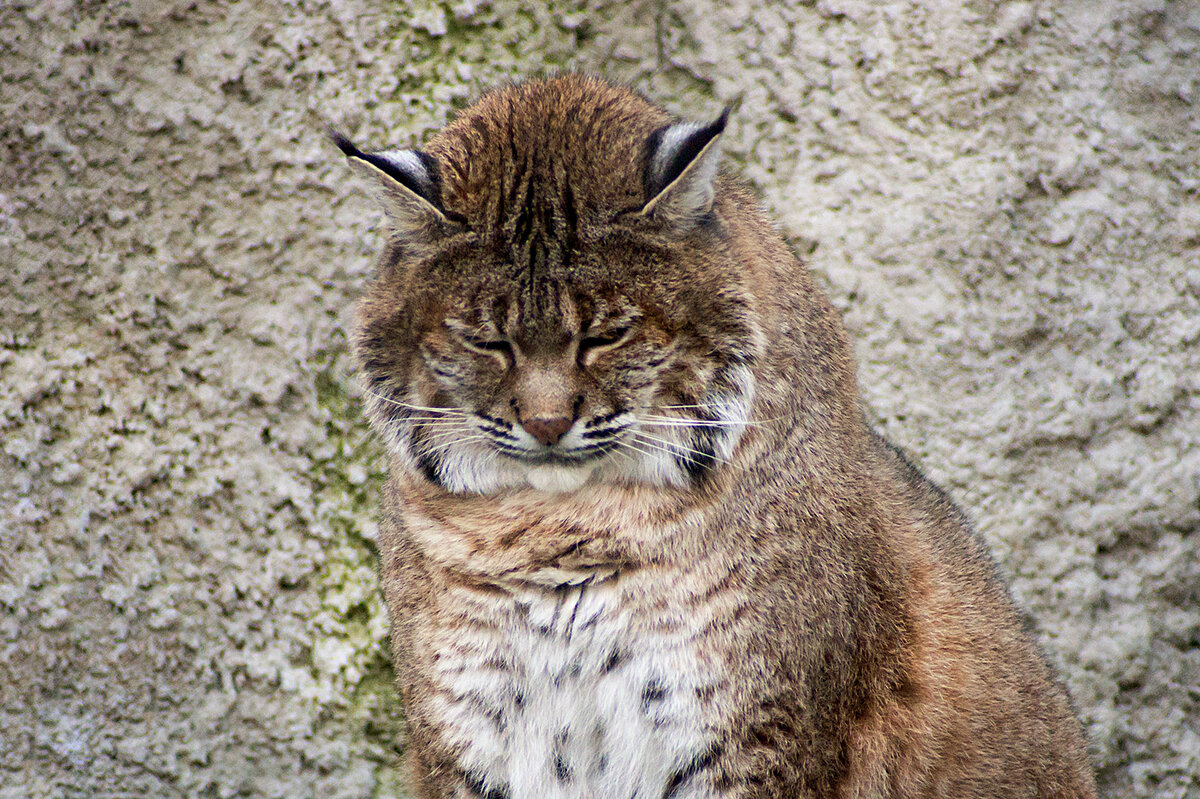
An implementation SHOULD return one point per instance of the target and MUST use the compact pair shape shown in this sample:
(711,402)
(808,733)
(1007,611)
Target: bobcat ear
(408,180)
(681,167)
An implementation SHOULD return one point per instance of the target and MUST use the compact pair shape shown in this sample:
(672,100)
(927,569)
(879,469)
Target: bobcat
(637,539)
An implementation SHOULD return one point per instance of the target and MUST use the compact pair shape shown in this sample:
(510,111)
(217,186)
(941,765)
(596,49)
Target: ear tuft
(409,181)
(681,166)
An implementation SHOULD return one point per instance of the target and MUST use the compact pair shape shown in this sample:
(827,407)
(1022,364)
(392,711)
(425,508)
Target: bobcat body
(637,540)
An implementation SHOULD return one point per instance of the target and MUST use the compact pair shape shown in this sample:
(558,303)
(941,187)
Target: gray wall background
(1002,197)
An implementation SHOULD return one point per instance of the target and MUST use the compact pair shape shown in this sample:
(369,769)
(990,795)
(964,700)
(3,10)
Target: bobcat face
(600,384)
(532,325)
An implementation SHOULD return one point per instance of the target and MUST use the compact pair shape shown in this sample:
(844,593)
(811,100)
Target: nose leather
(547,430)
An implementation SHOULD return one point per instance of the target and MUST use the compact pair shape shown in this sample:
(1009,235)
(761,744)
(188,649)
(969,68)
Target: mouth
(557,457)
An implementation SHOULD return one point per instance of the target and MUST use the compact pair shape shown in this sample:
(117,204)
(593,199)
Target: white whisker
(660,445)
(447,411)
(419,416)
(440,432)
(664,422)
(650,421)
(651,451)
(620,449)
(442,447)
(646,438)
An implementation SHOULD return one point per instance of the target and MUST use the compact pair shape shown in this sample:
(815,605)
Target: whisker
(647,438)
(621,449)
(709,422)
(658,443)
(444,429)
(436,424)
(666,422)
(625,451)
(651,451)
(440,448)
(385,398)
(441,431)
(654,450)
(419,416)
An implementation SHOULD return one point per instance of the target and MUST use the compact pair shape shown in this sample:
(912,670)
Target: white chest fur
(570,694)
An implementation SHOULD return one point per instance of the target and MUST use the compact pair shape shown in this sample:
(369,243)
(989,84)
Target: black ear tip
(719,125)
(343,143)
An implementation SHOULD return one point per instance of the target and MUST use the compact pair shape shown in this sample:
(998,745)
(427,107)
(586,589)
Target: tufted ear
(681,167)
(408,182)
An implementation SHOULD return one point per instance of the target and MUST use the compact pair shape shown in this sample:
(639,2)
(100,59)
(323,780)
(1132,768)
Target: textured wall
(1002,197)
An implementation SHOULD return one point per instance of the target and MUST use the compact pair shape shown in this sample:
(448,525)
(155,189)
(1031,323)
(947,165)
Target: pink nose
(547,431)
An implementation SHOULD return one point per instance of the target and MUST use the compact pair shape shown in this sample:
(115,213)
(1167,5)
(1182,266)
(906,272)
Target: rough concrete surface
(1001,196)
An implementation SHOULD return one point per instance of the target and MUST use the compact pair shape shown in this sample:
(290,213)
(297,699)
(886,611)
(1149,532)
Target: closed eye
(606,340)
(492,346)
(481,339)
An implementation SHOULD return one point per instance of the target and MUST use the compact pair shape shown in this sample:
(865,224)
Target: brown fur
(860,641)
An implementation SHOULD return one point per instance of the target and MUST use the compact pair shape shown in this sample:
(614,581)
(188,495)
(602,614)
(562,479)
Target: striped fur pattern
(637,540)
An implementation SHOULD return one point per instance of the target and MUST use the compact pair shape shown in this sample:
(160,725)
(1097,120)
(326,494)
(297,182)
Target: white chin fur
(558,479)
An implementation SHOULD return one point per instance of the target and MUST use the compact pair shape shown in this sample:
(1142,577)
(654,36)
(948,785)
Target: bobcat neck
(531,537)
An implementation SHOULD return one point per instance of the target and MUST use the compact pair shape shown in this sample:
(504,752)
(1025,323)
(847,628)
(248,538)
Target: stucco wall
(1002,197)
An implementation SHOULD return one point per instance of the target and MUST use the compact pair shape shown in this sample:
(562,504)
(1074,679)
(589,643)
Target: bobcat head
(558,300)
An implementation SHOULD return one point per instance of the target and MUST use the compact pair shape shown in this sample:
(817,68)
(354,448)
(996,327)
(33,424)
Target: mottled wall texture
(1002,197)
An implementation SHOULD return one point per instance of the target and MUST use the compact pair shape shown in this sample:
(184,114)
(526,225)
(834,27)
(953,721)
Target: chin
(560,478)
(474,470)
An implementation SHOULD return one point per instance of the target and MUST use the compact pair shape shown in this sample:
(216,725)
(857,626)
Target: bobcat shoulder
(637,539)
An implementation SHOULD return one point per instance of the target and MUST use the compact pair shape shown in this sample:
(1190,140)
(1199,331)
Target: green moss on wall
(350,652)
(453,50)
